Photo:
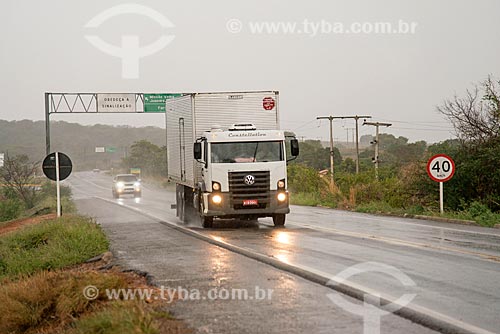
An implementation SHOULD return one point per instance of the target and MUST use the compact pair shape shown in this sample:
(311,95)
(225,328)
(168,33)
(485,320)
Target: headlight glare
(216,199)
(281,197)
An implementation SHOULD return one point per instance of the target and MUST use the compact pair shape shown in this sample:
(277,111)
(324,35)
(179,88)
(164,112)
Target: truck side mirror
(197,151)
(294,147)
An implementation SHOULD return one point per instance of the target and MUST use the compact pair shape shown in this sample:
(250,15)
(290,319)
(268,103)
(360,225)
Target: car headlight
(216,199)
(281,184)
(281,197)
(215,186)
(120,185)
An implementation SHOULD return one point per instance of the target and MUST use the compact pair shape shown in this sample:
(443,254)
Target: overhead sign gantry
(96,103)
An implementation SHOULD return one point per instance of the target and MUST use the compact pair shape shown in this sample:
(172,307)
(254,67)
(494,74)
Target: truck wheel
(279,219)
(207,222)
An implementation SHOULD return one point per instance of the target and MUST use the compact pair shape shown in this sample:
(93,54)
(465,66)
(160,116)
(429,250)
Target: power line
(303,125)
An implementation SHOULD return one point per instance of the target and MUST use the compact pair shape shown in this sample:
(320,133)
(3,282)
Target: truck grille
(241,191)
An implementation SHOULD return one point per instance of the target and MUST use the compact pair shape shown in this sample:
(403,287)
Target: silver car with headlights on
(126,184)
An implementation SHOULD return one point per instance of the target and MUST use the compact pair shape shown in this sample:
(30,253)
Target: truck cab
(243,174)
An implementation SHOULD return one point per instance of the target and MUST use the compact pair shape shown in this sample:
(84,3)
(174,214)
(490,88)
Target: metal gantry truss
(77,103)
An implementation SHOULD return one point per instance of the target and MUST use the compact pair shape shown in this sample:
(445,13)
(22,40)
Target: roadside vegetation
(44,267)
(49,245)
(24,192)
(403,186)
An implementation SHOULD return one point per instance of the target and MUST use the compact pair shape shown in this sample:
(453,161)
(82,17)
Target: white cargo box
(190,115)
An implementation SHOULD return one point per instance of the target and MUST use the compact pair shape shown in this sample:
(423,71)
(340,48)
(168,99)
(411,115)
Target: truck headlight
(215,186)
(281,184)
(281,197)
(216,199)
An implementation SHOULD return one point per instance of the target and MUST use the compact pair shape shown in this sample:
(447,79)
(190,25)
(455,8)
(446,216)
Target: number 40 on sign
(441,168)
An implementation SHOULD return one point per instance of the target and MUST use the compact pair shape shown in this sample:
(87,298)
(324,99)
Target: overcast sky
(396,78)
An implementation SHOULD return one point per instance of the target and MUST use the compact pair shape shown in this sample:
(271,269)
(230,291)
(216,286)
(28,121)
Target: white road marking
(356,215)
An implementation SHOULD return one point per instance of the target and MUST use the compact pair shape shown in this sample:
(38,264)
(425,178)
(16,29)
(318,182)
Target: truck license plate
(250,202)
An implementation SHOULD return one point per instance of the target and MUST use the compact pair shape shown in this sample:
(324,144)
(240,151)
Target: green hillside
(76,140)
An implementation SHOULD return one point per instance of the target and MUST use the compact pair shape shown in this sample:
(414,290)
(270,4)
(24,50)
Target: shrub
(10,209)
(302,179)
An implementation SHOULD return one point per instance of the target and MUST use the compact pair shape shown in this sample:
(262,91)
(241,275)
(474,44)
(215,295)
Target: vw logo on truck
(249,180)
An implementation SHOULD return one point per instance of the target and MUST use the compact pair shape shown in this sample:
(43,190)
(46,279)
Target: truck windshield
(241,152)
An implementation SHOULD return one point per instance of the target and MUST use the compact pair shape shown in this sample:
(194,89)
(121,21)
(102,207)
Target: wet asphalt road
(456,268)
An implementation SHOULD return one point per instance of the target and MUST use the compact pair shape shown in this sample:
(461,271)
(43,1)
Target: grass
(308,199)
(46,299)
(476,212)
(118,318)
(50,245)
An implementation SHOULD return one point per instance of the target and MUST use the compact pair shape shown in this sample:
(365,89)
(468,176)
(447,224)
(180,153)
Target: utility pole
(330,118)
(376,142)
(356,117)
(347,135)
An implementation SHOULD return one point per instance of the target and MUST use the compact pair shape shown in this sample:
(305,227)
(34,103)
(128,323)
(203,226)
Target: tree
(18,175)
(395,151)
(475,117)
(150,158)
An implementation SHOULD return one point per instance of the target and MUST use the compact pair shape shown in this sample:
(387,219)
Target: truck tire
(279,219)
(207,222)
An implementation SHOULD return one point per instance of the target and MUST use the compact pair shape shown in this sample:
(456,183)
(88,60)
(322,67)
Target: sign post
(57,166)
(441,168)
(58,187)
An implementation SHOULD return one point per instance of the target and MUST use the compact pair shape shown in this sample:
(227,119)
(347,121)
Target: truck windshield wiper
(255,153)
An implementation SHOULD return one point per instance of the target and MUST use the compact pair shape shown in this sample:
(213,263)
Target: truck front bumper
(227,209)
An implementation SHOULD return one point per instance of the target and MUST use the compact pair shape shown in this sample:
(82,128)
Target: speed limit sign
(440,168)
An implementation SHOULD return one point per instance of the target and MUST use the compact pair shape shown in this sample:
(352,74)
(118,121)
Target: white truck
(227,156)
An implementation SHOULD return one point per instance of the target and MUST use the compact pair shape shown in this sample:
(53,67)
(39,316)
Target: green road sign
(135,170)
(110,149)
(156,102)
